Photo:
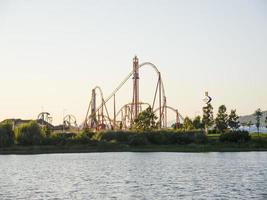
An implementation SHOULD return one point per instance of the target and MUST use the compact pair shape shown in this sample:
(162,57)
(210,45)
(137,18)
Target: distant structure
(99,117)
(207,98)
(70,122)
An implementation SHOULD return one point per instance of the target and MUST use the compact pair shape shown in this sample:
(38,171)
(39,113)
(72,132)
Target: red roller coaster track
(99,117)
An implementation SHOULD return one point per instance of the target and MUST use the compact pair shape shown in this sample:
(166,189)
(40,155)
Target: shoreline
(191,148)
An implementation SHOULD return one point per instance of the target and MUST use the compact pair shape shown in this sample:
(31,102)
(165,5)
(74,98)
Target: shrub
(184,138)
(88,132)
(201,138)
(160,137)
(190,137)
(138,139)
(29,134)
(119,136)
(47,131)
(165,137)
(59,138)
(6,135)
(235,136)
(83,137)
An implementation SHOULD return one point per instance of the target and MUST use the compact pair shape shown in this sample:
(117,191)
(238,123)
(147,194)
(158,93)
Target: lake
(134,176)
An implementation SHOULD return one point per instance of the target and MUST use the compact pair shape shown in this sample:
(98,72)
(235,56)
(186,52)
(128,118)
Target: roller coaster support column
(114,111)
(160,113)
(93,109)
(177,124)
(135,106)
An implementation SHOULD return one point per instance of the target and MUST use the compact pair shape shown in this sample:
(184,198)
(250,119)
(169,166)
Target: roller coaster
(98,117)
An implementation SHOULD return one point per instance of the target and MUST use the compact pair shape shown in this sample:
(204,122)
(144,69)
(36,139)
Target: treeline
(221,124)
(32,134)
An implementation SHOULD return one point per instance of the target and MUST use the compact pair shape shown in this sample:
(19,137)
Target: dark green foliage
(59,138)
(175,137)
(68,138)
(233,122)
(221,119)
(83,137)
(188,124)
(138,139)
(47,131)
(146,120)
(213,131)
(88,132)
(197,137)
(6,134)
(235,136)
(258,115)
(119,136)
(197,123)
(161,137)
(207,118)
(29,134)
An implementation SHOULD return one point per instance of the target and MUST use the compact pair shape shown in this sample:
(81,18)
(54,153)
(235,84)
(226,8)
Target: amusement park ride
(98,116)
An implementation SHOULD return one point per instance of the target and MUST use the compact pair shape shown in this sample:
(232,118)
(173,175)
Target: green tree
(188,124)
(207,118)
(233,122)
(266,121)
(146,120)
(221,119)
(6,134)
(29,133)
(258,115)
(197,123)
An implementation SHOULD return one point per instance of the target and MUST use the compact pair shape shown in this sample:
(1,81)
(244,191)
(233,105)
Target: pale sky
(52,53)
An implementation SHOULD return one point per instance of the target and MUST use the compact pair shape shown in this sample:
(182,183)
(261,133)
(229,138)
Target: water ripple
(134,176)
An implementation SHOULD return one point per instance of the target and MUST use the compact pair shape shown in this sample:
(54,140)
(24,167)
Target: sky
(54,52)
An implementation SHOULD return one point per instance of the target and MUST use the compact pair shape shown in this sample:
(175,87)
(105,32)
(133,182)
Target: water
(134,176)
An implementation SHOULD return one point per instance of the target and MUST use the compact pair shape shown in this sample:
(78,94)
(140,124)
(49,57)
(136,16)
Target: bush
(6,135)
(189,137)
(29,134)
(235,136)
(59,138)
(83,137)
(119,136)
(138,139)
(165,137)
(160,137)
(184,138)
(64,138)
(88,132)
(201,138)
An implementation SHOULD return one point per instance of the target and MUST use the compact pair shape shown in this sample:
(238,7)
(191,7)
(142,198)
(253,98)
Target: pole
(160,117)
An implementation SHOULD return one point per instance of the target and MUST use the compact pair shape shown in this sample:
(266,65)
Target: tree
(6,134)
(266,121)
(29,133)
(207,118)
(221,119)
(233,122)
(188,124)
(146,120)
(197,123)
(258,115)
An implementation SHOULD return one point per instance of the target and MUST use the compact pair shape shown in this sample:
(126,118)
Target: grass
(256,144)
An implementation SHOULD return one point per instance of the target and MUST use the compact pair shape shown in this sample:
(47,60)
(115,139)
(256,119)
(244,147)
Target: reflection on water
(134,176)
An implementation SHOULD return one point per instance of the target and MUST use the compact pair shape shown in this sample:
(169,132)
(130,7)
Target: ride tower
(135,101)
